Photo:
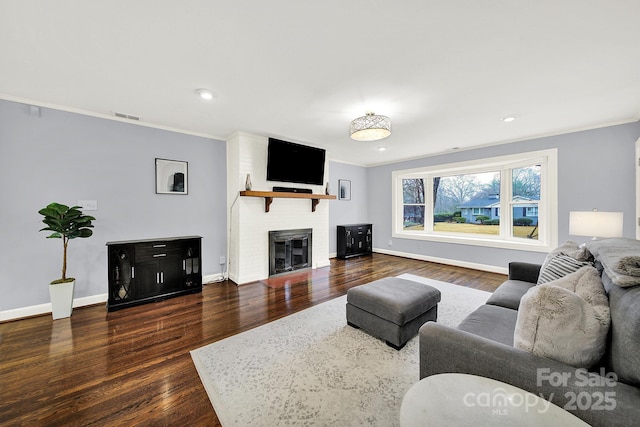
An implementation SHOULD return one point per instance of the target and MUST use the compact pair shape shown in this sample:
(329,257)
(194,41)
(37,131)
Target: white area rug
(311,369)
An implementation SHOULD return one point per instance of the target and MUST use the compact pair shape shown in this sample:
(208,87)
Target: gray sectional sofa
(607,394)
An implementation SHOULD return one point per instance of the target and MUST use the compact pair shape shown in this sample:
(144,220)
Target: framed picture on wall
(344,189)
(172,177)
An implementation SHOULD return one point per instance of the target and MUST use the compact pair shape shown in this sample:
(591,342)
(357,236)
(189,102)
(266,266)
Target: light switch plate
(88,205)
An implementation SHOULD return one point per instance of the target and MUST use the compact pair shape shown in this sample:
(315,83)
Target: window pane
(525,200)
(413,200)
(413,217)
(526,182)
(413,191)
(467,203)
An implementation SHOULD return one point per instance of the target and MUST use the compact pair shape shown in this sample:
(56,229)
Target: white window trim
(547,208)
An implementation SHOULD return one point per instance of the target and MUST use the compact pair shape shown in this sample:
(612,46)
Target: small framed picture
(172,177)
(344,189)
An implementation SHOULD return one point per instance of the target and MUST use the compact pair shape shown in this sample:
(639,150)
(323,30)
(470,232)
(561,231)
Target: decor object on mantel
(370,127)
(247,182)
(65,223)
(270,195)
(595,224)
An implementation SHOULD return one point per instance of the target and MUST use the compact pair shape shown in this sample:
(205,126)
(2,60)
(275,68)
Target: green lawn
(451,227)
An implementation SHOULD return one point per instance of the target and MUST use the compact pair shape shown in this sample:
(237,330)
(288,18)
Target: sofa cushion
(558,267)
(623,355)
(570,248)
(509,293)
(524,271)
(566,319)
(492,322)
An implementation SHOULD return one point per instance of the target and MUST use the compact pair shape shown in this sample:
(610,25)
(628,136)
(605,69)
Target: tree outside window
(413,203)
(475,203)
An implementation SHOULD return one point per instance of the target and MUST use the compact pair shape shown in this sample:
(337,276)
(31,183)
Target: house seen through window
(507,200)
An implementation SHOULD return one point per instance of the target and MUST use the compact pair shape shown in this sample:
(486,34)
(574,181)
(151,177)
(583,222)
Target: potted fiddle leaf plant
(64,223)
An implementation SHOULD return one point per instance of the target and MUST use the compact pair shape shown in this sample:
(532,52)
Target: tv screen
(290,162)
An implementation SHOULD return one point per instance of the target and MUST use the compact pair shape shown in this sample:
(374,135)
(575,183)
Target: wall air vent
(126,116)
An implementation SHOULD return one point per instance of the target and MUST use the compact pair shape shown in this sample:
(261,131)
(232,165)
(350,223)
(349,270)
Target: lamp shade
(595,224)
(370,127)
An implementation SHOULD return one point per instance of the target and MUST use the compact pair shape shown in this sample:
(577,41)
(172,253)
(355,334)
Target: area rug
(311,369)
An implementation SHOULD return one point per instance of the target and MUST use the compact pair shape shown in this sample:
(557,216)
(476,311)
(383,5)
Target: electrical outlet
(390,242)
(223,260)
(88,205)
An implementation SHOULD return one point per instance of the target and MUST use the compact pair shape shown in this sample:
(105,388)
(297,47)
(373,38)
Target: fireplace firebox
(289,250)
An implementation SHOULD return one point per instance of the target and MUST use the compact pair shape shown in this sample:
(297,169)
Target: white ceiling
(444,71)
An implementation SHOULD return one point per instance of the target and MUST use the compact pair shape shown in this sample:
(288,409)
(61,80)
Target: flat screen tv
(290,162)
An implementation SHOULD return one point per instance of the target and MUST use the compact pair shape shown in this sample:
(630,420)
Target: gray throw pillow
(558,267)
(570,248)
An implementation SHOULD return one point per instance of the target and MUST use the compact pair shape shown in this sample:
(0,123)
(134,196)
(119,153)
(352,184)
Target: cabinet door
(172,274)
(349,241)
(368,247)
(147,279)
(193,274)
(120,268)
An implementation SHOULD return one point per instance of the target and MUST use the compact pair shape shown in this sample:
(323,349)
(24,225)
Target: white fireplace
(249,224)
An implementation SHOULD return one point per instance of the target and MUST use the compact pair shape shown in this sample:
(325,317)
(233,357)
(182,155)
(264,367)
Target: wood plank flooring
(133,367)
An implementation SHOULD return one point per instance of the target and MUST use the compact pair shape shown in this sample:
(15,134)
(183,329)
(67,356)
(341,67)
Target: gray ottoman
(392,309)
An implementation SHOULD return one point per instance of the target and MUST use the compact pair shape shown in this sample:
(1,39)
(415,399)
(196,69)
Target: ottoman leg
(395,347)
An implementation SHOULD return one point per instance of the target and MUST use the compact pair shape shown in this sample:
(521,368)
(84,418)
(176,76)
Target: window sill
(476,240)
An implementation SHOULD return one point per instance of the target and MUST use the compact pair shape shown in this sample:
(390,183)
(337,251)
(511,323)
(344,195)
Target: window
(413,204)
(508,201)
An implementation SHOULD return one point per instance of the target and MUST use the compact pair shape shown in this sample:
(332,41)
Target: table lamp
(595,224)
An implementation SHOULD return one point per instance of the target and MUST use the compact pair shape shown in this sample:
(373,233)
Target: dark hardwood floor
(133,367)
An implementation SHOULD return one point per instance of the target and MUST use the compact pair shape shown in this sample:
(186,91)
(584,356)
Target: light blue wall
(596,169)
(347,211)
(66,157)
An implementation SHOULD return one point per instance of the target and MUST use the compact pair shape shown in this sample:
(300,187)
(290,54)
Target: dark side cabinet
(354,240)
(149,270)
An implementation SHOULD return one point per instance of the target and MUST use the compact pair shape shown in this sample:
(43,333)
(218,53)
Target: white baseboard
(454,262)
(36,310)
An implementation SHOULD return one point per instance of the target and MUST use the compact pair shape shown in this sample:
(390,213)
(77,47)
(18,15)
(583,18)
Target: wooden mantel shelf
(270,195)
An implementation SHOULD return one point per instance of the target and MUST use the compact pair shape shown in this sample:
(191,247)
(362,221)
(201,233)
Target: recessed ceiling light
(205,94)
(382,148)
(509,119)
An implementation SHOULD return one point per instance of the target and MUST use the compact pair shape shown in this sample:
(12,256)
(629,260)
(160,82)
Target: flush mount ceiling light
(205,94)
(370,127)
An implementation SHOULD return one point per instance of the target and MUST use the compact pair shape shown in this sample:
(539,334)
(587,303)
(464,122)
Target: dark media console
(292,190)
(142,271)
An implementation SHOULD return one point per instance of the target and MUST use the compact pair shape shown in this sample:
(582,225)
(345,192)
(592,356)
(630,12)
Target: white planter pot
(61,296)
